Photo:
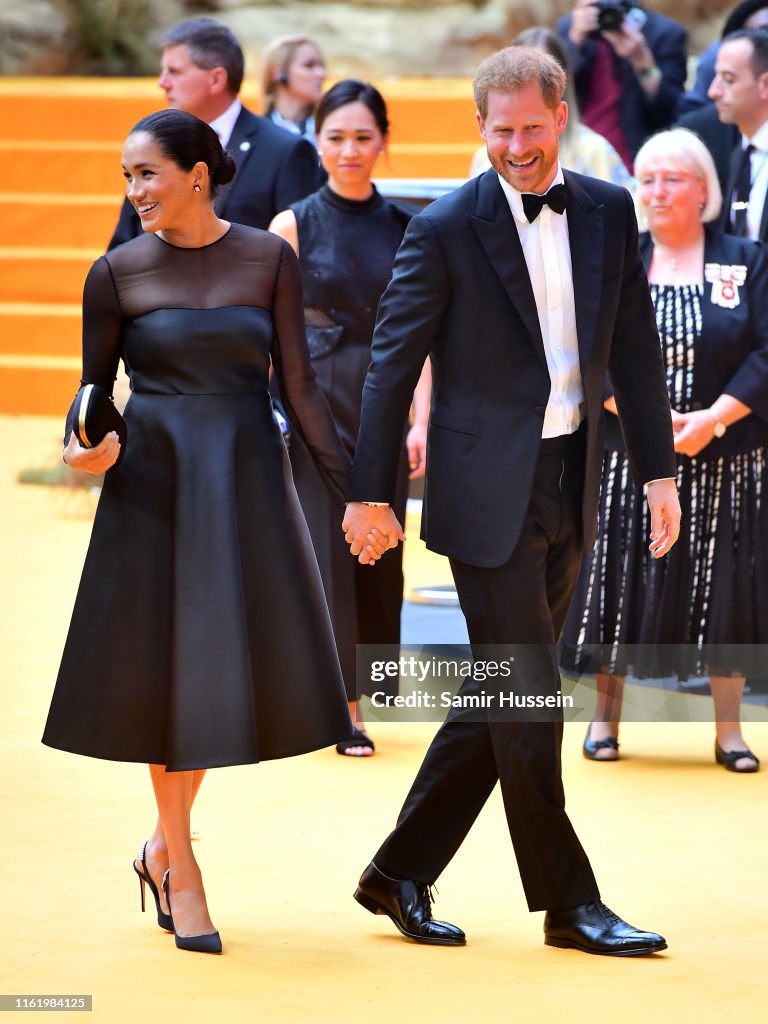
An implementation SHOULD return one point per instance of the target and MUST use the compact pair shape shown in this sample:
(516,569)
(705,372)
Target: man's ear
(219,81)
(480,124)
(561,117)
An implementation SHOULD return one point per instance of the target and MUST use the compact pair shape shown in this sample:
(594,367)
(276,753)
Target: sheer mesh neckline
(194,248)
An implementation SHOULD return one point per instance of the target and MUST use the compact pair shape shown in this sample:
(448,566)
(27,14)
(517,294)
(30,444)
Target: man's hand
(629,43)
(370,531)
(664,507)
(583,22)
(92,460)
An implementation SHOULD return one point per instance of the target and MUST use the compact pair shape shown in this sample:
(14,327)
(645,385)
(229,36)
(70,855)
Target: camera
(611,13)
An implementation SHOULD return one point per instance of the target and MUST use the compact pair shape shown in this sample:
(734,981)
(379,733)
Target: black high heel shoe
(591,747)
(728,759)
(210,943)
(163,919)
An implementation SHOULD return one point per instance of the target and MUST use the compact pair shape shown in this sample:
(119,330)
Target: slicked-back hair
(210,45)
(186,140)
(515,67)
(351,90)
(758,37)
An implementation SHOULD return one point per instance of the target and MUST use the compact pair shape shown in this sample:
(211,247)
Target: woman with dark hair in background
(702,610)
(292,83)
(346,236)
(200,635)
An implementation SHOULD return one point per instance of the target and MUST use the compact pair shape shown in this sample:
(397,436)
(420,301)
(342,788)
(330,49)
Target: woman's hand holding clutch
(92,460)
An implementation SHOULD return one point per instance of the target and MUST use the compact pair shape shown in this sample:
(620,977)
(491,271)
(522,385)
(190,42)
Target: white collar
(224,124)
(515,198)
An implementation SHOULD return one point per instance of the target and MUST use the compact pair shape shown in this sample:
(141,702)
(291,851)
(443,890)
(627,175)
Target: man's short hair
(758,60)
(210,45)
(513,68)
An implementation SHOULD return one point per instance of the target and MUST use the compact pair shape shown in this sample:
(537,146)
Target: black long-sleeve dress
(200,635)
(346,252)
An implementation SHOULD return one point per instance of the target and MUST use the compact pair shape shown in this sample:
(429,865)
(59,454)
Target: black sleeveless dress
(346,252)
(200,635)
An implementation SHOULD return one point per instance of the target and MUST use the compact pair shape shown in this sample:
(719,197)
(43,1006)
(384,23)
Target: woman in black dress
(346,236)
(200,635)
(706,605)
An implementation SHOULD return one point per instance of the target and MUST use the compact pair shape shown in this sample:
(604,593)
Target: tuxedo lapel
(585,233)
(496,229)
(240,147)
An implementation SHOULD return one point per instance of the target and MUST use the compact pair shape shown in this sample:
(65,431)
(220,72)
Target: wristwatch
(720,427)
(649,74)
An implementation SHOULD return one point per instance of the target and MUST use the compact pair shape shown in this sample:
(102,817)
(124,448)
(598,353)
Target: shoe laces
(608,914)
(429,891)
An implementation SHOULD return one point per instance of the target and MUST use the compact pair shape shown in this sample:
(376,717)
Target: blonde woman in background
(581,149)
(292,83)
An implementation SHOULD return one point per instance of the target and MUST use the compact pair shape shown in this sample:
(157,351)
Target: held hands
(92,460)
(629,43)
(664,507)
(693,430)
(370,531)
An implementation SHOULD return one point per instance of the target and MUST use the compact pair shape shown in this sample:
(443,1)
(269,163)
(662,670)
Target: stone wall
(370,38)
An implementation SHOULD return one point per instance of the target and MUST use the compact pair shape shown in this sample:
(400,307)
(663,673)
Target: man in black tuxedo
(202,71)
(740,93)
(522,313)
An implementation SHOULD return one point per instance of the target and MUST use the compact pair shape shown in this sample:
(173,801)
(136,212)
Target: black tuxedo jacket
(461,293)
(731,354)
(639,116)
(724,222)
(274,169)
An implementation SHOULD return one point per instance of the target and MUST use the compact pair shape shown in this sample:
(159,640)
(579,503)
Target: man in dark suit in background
(523,302)
(202,71)
(740,93)
(628,69)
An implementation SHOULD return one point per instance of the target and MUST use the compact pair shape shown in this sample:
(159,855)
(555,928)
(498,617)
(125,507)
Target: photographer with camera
(629,69)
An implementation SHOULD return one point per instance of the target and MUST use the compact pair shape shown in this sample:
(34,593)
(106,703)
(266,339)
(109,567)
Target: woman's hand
(416,443)
(92,460)
(693,430)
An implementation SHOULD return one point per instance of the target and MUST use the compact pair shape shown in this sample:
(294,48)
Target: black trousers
(523,601)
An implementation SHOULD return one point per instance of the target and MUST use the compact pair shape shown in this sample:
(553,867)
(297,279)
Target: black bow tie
(532,202)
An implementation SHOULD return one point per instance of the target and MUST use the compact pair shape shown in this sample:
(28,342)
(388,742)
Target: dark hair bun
(225,171)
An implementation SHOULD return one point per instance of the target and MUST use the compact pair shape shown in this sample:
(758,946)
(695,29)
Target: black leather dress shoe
(408,905)
(593,928)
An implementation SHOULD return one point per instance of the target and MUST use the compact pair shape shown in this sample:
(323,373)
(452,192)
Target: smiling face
(522,135)
(162,193)
(672,198)
(350,142)
(306,74)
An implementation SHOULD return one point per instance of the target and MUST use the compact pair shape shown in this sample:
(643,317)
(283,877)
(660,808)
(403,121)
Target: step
(44,274)
(67,168)
(431,110)
(50,220)
(31,330)
(38,388)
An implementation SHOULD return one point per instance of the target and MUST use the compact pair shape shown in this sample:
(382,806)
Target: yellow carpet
(678,845)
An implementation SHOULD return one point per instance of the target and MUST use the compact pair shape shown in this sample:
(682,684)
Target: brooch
(725,281)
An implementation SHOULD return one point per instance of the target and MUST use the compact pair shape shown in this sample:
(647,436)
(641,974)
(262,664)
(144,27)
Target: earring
(196,188)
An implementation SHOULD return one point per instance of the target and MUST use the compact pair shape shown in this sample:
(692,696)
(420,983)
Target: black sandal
(728,759)
(591,747)
(357,739)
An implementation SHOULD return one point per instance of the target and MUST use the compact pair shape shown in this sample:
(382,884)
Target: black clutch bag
(94,415)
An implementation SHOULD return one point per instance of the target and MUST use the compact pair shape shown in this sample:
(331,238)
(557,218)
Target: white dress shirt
(547,252)
(224,124)
(759,178)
